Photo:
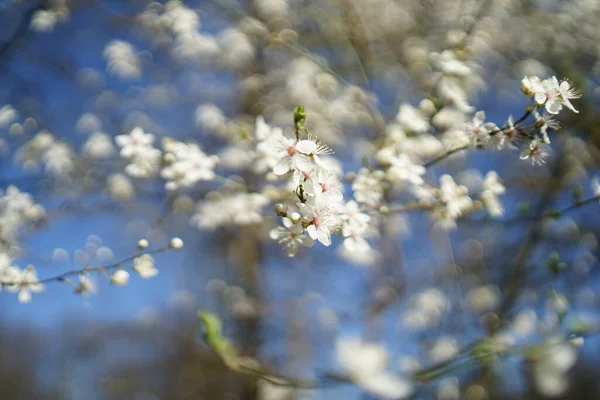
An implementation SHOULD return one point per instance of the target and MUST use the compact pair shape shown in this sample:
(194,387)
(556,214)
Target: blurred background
(76,73)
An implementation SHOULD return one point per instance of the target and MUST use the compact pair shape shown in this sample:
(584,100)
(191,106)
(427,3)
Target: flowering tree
(344,140)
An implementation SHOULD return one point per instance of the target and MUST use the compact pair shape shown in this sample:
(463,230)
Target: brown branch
(492,133)
(443,156)
(546,214)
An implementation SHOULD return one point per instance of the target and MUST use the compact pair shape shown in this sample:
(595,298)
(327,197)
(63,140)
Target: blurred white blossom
(366,364)
(122,60)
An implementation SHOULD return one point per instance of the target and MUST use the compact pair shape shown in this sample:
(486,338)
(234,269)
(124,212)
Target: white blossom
(136,142)
(99,145)
(266,156)
(507,137)
(290,157)
(33,151)
(552,94)
(59,159)
(428,309)
(444,348)
(448,64)
(291,235)
(368,187)
(122,59)
(120,277)
(88,123)
(403,169)
(210,118)
(144,266)
(189,166)
(176,243)
(43,21)
(237,209)
(529,84)
(355,229)
(545,122)
(236,48)
(86,285)
(596,185)
(412,119)
(25,282)
(454,202)
(492,188)
(549,372)
(144,164)
(297,154)
(321,218)
(366,364)
(567,93)
(7,115)
(354,241)
(120,187)
(484,298)
(324,183)
(478,131)
(536,152)
(352,215)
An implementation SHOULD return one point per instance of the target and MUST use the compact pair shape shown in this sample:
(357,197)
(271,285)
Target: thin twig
(546,214)
(63,277)
(492,133)
(444,155)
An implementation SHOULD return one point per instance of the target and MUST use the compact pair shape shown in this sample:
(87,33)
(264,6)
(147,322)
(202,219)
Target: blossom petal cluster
(366,365)
(550,93)
(23,281)
(219,210)
(137,147)
(188,164)
(317,209)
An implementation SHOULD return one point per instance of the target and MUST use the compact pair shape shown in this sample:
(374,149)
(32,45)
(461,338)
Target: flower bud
(120,278)
(142,244)
(169,158)
(280,209)
(540,122)
(176,243)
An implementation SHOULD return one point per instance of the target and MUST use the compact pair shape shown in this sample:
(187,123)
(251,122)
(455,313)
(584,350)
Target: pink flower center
(315,221)
(291,151)
(324,187)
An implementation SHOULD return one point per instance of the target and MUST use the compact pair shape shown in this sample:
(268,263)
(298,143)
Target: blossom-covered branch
(26,282)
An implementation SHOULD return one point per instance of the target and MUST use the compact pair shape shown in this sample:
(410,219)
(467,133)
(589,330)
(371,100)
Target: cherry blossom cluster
(320,210)
(56,156)
(315,207)
(182,165)
(18,211)
(547,93)
(178,26)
